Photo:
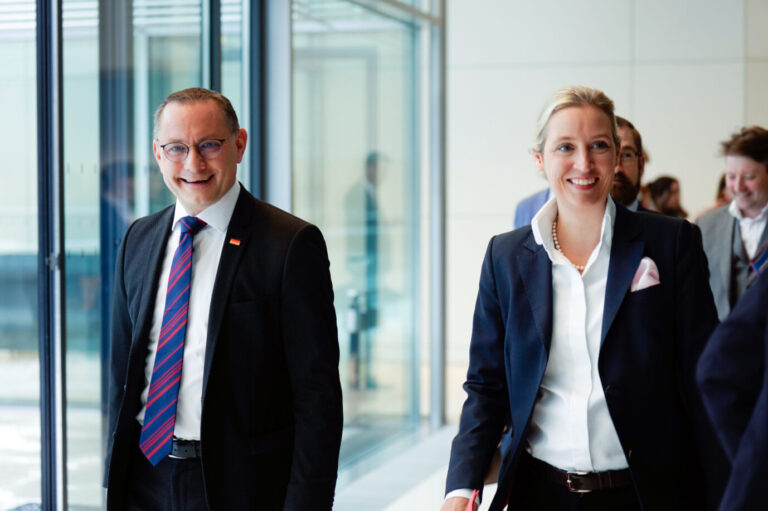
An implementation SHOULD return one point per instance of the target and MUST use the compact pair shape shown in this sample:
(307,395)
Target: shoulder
(662,229)
(510,242)
(714,219)
(274,230)
(147,227)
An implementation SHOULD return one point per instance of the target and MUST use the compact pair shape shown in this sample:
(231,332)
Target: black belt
(185,449)
(577,482)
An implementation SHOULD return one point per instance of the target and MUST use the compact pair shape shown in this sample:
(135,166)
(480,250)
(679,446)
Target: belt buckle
(569,482)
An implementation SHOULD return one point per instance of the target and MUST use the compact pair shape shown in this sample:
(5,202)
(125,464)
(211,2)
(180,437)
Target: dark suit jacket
(651,340)
(733,379)
(272,411)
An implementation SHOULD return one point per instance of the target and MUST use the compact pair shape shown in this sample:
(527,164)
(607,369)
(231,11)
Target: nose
(584,159)
(195,160)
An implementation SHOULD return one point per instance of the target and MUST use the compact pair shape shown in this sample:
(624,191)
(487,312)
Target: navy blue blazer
(734,382)
(272,409)
(651,340)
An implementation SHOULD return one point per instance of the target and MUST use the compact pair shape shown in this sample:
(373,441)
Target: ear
(538,159)
(157,150)
(241,140)
(640,167)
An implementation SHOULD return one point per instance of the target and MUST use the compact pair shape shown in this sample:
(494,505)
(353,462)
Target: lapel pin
(234,241)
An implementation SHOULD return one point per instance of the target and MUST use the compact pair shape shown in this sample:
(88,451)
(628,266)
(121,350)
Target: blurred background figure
(629,166)
(665,196)
(363,246)
(722,197)
(529,206)
(735,236)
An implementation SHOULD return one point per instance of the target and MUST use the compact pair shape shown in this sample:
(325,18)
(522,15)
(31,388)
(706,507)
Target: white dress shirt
(571,427)
(751,228)
(207,244)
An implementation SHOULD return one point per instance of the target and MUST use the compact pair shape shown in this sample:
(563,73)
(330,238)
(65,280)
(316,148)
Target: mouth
(195,181)
(583,181)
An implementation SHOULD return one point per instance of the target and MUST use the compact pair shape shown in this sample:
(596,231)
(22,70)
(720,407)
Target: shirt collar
(216,215)
(541,224)
(734,210)
(634,205)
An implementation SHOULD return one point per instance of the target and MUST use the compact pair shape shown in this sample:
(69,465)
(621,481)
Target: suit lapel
(626,253)
(723,252)
(231,254)
(154,253)
(536,272)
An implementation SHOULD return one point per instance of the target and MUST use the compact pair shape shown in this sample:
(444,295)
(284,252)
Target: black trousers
(172,485)
(536,494)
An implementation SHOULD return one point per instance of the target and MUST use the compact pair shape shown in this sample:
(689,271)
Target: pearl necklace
(557,246)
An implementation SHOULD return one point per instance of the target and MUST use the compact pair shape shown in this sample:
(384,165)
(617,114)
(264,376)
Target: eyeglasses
(628,156)
(178,151)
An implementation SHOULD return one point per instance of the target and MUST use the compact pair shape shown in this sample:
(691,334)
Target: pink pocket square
(647,275)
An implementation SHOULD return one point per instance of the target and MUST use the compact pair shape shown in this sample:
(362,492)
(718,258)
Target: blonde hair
(576,95)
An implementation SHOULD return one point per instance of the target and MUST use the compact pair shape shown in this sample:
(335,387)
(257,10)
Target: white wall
(687,73)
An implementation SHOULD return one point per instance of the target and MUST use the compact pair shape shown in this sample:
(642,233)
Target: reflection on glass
(19,357)
(355,176)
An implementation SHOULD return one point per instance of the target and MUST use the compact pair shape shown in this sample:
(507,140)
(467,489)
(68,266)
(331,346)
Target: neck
(578,231)
(751,213)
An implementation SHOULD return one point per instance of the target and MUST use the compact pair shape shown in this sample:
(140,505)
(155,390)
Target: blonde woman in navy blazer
(587,329)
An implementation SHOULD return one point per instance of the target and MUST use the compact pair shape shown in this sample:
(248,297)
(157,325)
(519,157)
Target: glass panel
(234,69)
(356,176)
(85,418)
(19,357)
(103,194)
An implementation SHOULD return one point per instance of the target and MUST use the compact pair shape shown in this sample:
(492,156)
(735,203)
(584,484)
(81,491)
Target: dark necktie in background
(160,416)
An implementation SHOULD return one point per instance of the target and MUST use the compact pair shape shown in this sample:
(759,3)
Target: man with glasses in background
(629,166)
(224,385)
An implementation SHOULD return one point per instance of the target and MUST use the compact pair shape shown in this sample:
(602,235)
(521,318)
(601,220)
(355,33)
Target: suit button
(629,455)
(611,391)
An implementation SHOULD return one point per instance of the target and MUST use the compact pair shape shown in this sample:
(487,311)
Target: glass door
(356,176)
(20,461)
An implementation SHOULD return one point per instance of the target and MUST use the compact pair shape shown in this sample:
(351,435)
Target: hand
(456,504)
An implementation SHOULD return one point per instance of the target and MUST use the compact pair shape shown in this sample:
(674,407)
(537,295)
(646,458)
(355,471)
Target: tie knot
(191,224)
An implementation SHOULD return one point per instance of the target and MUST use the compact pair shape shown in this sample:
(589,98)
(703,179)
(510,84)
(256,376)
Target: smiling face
(747,181)
(578,157)
(198,182)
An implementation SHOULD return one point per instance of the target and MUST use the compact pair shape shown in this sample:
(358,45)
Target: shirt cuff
(464,493)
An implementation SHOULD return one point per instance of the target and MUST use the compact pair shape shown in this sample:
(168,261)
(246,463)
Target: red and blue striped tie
(160,416)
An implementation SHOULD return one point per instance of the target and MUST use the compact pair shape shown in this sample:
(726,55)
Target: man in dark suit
(733,375)
(224,392)
(654,326)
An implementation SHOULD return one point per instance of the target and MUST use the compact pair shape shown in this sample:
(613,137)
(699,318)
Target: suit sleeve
(121,329)
(731,369)
(486,408)
(312,353)
(696,318)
